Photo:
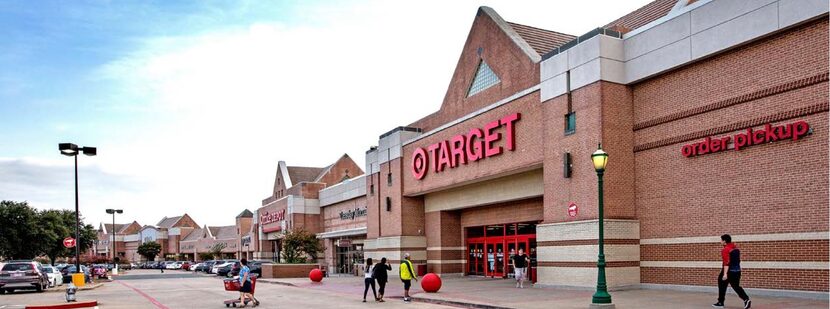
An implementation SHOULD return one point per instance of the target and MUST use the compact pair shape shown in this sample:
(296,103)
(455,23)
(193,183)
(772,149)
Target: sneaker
(747,304)
(406,299)
(717,305)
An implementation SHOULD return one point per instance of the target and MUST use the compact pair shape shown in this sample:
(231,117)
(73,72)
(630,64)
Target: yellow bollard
(78,280)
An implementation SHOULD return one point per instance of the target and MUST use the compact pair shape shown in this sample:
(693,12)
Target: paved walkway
(500,293)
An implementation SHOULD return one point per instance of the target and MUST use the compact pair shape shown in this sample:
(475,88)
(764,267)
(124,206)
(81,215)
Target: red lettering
(769,134)
(758,137)
(419,163)
(510,138)
(688,150)
(475,149)
(740,141)
(800,129)
(433,156)
(490,137)
(457,155)
(444,156)
(703,147)
(714,144)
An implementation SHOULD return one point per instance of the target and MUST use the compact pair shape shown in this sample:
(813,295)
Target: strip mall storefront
(706,136)
(343,211)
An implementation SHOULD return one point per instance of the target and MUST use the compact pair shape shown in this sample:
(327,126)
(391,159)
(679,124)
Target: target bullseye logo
(419,163)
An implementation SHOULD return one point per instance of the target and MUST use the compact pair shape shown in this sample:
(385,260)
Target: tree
(149,250)
(55,225)
(19,229)
(216,250)
(299,244)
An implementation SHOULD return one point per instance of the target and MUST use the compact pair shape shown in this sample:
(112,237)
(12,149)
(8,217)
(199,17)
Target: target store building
(714,116)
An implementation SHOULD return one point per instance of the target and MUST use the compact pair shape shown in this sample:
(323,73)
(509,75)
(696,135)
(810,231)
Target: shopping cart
(233,285)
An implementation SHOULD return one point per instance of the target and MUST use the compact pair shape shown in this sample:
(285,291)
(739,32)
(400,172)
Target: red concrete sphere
(431,283)
(315,275)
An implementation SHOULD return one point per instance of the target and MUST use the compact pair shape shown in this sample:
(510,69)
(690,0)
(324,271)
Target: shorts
(246,287)
(520,273)
(406,284)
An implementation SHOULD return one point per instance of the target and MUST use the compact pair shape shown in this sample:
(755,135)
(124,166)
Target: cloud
(216,104)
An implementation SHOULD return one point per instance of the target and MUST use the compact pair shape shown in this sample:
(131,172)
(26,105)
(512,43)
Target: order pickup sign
(69,242)
(767,134)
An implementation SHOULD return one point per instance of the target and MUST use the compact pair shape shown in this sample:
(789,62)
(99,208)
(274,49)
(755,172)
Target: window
(372,189)
(389,179)
(388,203)
(570,123)
(484,78)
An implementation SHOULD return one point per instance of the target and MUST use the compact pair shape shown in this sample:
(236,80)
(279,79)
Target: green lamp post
(600,159)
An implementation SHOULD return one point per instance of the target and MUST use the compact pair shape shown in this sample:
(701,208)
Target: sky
(191,104)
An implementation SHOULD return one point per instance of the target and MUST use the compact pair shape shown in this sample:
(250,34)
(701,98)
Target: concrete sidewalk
(500,293)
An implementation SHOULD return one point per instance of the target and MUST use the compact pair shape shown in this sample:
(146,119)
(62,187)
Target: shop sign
(69,242)
(352,213)
(573,210)
(271,217)
(768,134)
(344,243)
(477,144)
(246,240)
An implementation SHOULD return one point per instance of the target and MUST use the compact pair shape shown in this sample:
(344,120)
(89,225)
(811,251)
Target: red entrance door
(490,248)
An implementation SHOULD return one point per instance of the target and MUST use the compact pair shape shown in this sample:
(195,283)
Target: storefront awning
(343,233)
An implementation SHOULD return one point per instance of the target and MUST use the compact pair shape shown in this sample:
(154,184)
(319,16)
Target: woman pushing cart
(245,285)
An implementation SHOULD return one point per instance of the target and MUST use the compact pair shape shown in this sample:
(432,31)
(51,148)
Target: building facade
(343,213)
(714,114)
(294,203)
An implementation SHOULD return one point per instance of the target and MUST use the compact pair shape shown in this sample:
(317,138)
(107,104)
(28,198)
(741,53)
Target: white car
(193,266)
(55,276)
(172,265)
(217,266)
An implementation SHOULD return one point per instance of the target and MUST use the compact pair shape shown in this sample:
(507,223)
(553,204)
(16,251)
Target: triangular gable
(282,180)
(500,58)
(340,170)
(484,78)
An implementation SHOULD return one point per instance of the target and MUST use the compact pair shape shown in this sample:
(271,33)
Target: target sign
(573,210)
(69,242)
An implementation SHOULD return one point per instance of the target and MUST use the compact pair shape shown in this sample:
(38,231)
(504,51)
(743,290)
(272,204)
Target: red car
(99,271)
(186,265)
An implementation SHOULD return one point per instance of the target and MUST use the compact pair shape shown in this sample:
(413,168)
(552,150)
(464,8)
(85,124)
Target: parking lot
(179,289)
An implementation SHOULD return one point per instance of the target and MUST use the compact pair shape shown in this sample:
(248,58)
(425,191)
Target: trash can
(422,270)
(78,279)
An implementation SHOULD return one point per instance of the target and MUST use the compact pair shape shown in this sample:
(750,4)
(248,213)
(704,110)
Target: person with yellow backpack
(407,275)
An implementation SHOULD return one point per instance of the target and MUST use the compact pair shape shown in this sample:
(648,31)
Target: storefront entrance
(490,247)
(347,255)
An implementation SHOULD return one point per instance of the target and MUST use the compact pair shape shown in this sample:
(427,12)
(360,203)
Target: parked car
(212,269)
(69,270)
(23,275)
(55,276)
(99,271)
(205,266)
(193,267)
(170,265)
(256,266)
(225,263)
(224,270)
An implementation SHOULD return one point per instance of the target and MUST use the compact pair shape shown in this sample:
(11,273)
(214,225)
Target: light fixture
(68,149)
(600,159)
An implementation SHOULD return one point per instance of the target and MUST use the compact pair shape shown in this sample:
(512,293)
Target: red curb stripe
(87,304)
(148,297)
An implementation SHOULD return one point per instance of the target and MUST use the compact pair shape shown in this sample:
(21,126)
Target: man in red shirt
(730,273)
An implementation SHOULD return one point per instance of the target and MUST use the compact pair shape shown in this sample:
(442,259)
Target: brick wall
(331,215)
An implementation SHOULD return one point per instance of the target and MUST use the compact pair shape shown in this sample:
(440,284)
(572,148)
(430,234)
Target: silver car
(23,275)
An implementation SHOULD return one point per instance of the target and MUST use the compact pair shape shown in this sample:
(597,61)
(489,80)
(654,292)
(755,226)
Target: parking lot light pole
(72,150)
(113,212)
(601,297)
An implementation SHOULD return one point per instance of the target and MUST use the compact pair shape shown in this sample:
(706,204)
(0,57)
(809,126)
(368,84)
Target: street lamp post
(113,212)
(72,150)
(601,297)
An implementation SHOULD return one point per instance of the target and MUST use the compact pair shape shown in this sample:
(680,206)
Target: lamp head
(600,159)
(68,149)
(90,151)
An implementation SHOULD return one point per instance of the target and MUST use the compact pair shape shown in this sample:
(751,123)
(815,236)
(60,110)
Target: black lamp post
(72,150)
(601,297)
(113,212)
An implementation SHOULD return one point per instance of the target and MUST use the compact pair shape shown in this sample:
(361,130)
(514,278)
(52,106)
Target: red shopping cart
(233,285)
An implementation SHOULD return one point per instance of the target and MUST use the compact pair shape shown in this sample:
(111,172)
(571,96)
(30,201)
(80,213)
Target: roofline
(286,179)
(507,29)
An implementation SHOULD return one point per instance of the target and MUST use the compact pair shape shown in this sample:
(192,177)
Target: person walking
(245,283)
(519,262)
(407,275)
(730,274)
(380,275)
(369,280)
